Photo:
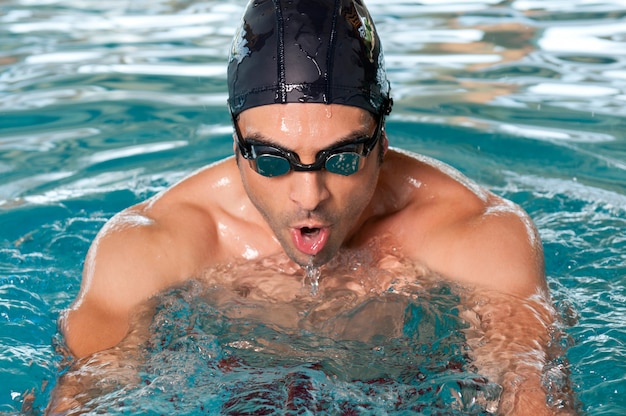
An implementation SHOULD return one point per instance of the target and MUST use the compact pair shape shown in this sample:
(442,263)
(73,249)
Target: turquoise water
(103,104)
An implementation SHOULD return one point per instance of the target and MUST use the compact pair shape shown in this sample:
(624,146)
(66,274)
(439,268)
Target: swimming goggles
(344,159)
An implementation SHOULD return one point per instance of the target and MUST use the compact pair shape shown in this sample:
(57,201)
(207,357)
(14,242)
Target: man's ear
(384,146)
(385,143)
(236,150)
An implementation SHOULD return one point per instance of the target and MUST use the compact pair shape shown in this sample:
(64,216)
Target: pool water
(103,104)
(241,356)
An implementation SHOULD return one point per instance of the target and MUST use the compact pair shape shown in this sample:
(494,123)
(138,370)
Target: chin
(304,260)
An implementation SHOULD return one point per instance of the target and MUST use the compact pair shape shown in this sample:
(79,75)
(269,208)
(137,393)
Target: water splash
(312,277)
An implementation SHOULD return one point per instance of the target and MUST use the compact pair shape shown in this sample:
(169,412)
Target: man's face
(312,214)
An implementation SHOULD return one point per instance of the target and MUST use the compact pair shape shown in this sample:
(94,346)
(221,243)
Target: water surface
(103,104)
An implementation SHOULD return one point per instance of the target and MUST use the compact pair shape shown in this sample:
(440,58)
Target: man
(312,175)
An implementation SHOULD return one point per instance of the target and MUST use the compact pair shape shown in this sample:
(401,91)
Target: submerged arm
(126,265)
(102,372)
(489,244)
(515,343)
(513,327)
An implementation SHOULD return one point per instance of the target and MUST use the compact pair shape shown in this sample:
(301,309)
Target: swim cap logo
(359,19)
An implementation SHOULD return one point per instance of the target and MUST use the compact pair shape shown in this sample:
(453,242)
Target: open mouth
(309,232)
(310,240)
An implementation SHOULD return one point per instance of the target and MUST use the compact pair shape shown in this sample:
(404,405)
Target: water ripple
(106,103)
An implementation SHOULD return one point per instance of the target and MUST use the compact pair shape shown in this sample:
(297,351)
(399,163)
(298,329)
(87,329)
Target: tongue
(310,240)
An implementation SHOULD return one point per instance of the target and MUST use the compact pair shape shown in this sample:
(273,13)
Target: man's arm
(514,342)
(512,324)
(497,247)
(129,261)
(491,247)
(124,267)
(460,230)
(102,372)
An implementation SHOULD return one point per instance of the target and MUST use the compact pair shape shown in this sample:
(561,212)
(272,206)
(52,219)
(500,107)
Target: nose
(308,189)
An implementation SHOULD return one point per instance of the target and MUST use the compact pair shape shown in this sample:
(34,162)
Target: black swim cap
(307,51)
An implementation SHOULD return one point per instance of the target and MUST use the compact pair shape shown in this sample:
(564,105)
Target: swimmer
(312,174)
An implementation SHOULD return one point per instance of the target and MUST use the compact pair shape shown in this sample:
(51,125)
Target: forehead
(296,124)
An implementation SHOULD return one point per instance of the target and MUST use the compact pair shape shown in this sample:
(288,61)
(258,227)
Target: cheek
(249,182)
(356,194)
(362,196)
(265,194)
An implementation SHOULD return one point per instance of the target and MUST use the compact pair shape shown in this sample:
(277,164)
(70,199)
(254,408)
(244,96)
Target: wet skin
(312,214)
(432,217)
(227,212)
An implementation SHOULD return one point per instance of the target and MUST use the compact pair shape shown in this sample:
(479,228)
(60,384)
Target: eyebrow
(261,140)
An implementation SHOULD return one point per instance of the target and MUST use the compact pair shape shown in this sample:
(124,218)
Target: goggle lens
(344,163)
(271,165)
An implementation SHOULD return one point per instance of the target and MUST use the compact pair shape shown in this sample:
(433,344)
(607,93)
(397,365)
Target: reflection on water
(103,104)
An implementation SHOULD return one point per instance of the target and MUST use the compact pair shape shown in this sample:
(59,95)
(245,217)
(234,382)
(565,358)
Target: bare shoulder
(163,240)
(464,232)
(139,252)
